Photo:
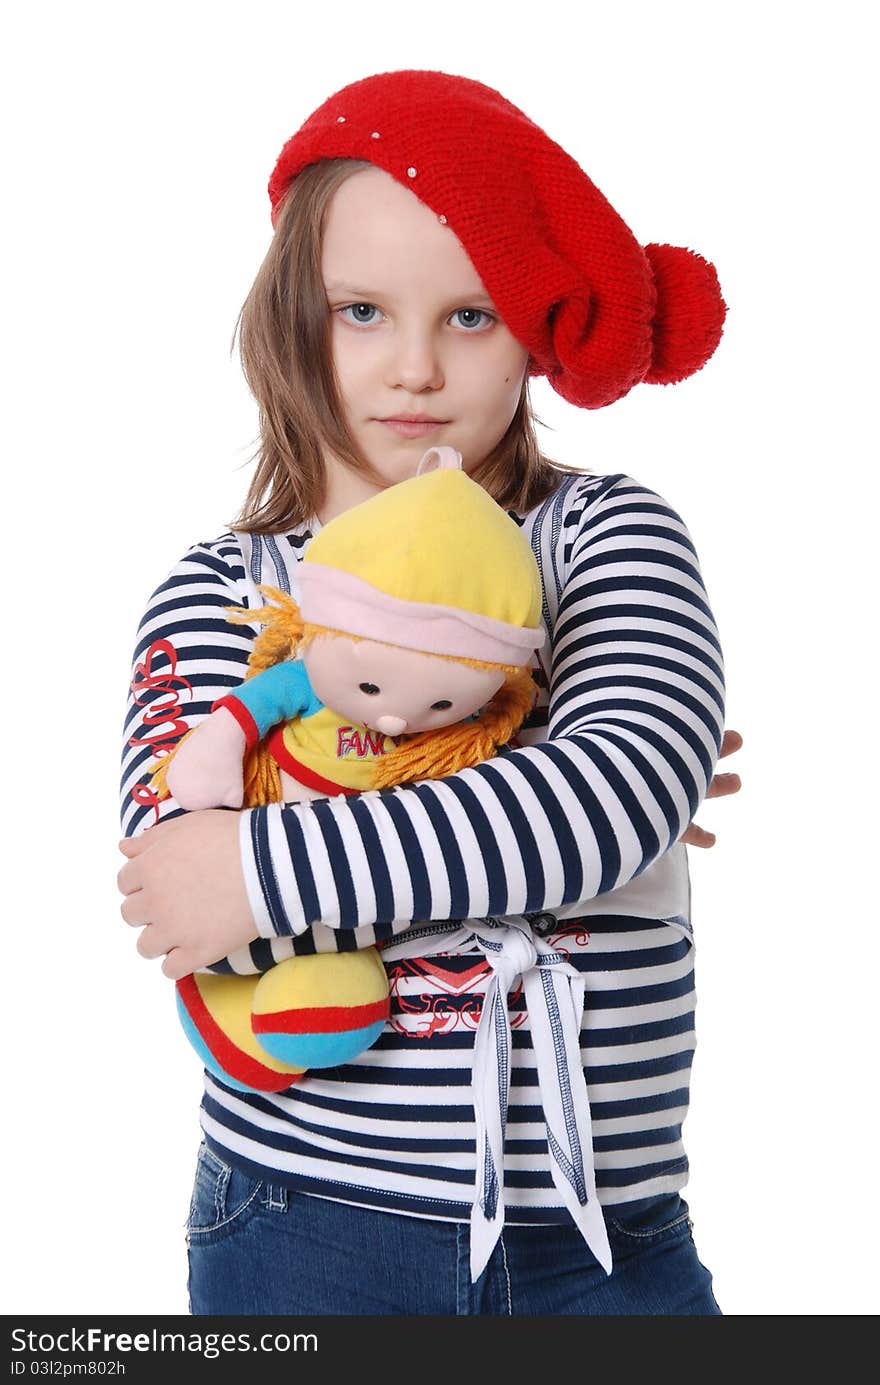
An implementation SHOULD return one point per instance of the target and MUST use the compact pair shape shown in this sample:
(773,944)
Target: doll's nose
(391,726)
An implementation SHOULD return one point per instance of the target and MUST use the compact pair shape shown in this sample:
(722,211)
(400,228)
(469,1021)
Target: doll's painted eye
(441,706)
(369,688)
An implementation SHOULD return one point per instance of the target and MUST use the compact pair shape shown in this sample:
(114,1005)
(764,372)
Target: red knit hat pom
(689,316)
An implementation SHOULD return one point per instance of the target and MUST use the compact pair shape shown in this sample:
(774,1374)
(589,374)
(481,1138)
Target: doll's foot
(322,1010)
(215,1011)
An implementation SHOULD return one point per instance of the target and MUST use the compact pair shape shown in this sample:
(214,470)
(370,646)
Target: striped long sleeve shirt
(573,831)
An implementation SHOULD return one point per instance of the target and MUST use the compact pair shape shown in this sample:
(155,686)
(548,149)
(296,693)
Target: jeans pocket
(223,1198)
(641,1222)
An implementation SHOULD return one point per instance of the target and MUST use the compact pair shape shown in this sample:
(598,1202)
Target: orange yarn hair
(433,754)
(423,755)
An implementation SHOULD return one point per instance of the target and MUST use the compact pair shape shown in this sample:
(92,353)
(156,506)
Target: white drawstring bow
(554,995)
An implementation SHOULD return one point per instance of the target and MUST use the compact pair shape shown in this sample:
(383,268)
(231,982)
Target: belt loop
(276,1198)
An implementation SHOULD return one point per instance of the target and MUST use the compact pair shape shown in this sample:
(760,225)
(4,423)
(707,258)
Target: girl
(512,1143)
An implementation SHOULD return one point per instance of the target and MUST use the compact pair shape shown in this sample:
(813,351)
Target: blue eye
(362,311)
(478,311)
(352,307)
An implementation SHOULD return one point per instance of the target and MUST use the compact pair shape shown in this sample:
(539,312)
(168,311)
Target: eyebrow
(367,295)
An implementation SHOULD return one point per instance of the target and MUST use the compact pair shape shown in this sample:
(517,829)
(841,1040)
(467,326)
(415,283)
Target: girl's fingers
(148,944)
(723,784)
(128,879)
(178,963)
(731,741)
(697,836)
(133,910)
(133,846)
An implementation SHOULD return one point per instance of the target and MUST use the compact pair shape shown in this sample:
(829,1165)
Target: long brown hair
(283,330)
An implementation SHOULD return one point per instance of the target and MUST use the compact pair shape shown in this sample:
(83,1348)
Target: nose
(415,364)
(391,726)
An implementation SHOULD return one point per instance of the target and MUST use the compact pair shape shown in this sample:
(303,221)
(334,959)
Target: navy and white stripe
(193,654)
(634,705)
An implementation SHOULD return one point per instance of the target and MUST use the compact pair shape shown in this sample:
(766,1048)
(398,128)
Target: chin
(404,470)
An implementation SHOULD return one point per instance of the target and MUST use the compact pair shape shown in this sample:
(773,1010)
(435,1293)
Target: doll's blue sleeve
(277,694)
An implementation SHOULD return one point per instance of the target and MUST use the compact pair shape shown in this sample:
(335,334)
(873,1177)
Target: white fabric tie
(554,995)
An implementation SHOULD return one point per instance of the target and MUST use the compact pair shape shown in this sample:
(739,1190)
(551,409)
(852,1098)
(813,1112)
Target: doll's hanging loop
(442,458)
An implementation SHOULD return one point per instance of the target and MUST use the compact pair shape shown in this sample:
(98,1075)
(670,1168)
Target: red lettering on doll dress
(160,712)
(349,739)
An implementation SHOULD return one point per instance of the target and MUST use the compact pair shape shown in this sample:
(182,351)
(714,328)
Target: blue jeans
(257,1248)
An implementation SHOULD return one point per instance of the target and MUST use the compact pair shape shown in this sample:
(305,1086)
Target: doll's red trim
(283,758)
(227,1053)
(322,1019)
(242,716)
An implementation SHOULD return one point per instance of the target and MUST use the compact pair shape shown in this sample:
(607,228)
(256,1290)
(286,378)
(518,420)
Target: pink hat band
(347,603)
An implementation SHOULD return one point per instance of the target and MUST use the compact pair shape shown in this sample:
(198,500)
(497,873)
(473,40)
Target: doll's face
(395,690)
(413,331)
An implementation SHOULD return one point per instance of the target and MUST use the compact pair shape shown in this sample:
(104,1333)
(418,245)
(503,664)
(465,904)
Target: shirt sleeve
(187,655)
(278,693)
(635,719)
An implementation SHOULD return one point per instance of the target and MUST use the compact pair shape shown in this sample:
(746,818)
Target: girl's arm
(187,656)
(635,722)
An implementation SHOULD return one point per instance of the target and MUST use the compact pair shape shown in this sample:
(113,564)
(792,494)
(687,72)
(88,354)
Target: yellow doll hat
(432,564)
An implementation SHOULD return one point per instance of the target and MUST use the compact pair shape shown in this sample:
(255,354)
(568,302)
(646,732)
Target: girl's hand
(184,887)
(720,787)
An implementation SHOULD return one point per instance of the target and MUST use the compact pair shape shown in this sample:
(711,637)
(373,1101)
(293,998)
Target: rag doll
(406,658)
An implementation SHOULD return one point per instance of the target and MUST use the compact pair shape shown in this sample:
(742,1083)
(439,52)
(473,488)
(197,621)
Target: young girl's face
(413,331)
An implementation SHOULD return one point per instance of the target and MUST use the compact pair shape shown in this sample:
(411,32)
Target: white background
(138,144)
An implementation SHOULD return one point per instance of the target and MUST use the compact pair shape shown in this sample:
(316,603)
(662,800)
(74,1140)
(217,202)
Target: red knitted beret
(597,312)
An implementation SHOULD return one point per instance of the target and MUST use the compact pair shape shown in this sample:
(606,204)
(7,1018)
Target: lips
(409,429)
(412,418)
